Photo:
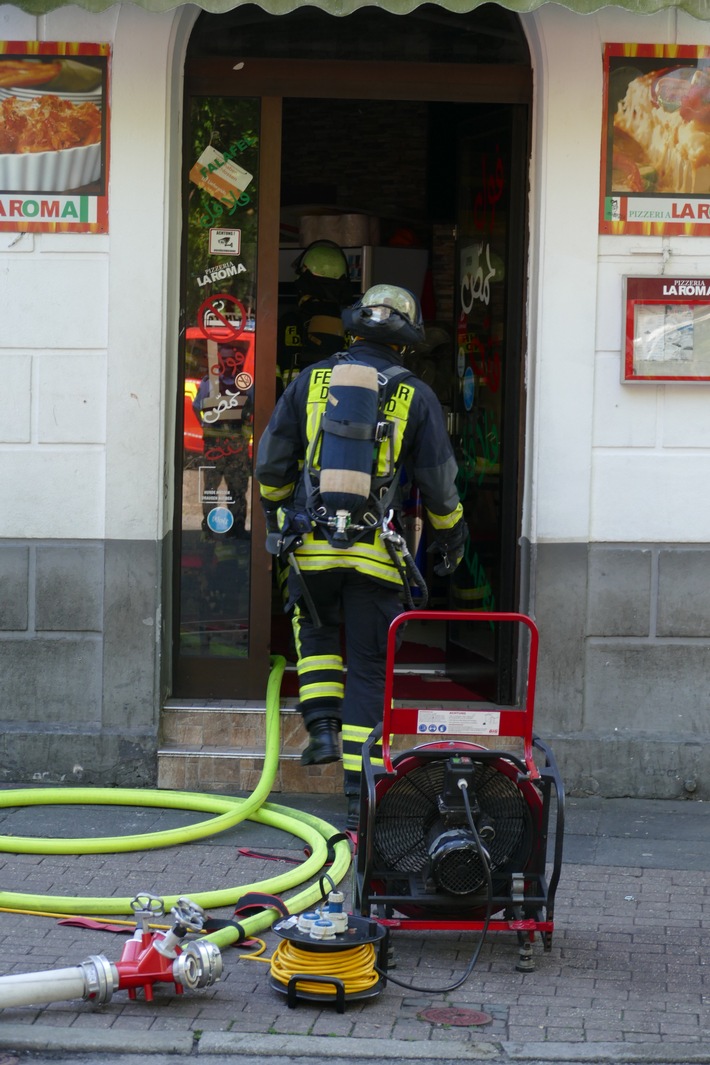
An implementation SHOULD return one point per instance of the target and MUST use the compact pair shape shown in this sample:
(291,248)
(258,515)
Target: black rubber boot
(323,746)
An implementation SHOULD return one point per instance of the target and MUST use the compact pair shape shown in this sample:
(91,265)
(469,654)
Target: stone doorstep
(230,728)
(215,769)
(219,747)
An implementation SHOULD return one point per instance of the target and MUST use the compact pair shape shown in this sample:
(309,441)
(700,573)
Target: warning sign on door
(225,241)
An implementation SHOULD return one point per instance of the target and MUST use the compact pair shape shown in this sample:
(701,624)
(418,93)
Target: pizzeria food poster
(54,143)
(655,158)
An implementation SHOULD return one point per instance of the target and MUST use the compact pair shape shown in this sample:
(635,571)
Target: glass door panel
(219,356)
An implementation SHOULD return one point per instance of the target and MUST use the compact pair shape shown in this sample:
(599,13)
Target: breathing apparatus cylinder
(347,442)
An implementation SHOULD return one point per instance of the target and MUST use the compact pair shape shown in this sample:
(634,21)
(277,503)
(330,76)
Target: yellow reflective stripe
(356,733)
(320,691)
(315,405)
(397,412)
(371,559)
(346,560)
(446,521)
(312,662)
(353,762)
(315,549)
(472,593)
(275,495)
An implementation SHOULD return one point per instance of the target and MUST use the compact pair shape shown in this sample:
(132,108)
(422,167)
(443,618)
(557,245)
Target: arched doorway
(409,145)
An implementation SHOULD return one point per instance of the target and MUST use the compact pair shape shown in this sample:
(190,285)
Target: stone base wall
(78,757)
(637,766)
(79,661)
(622,694)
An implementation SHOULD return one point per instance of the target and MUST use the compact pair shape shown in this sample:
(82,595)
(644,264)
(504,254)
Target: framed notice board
(667,329)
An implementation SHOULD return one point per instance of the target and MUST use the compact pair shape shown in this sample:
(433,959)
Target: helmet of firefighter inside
(322,258)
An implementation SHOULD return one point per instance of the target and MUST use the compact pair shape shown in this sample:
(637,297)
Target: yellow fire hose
(226,812)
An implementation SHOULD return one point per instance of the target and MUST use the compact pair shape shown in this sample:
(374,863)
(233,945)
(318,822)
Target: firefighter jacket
(421,444)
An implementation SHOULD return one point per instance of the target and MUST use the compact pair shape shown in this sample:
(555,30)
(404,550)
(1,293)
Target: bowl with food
(48,144)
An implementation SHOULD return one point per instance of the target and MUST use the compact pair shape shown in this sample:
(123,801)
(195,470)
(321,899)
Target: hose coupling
(100,979)
(199,965)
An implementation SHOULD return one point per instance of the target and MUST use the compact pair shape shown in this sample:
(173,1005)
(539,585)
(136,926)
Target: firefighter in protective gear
(313,330)
(360,584)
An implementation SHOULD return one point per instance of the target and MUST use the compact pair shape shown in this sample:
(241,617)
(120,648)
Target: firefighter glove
(272,521)
(448,548)
(273,530)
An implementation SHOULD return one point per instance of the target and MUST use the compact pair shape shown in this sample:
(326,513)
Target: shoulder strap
(395,371)
(387,486)
(388,374)
(385,377)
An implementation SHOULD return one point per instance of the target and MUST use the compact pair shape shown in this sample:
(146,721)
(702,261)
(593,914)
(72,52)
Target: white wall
(82,318)
(87,322)
(606,461)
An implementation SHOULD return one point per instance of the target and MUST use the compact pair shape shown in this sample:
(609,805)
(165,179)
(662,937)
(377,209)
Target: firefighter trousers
(355,614)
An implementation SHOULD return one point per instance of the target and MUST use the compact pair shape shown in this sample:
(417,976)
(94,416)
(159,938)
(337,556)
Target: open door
(407,142)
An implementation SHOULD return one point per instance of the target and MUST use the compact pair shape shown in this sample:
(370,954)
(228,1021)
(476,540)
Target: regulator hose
(407,569)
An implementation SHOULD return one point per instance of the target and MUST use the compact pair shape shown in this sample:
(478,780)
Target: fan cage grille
(407,819)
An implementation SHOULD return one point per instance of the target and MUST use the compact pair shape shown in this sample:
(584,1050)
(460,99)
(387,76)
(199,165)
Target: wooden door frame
(504,83)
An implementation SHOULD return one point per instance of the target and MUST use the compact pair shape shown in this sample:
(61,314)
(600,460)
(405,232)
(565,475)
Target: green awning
(699,9)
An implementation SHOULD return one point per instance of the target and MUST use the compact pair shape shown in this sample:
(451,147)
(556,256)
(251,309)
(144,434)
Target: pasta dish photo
(47,125)
(51,124)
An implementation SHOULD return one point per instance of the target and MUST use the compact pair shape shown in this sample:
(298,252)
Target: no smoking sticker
(221,317)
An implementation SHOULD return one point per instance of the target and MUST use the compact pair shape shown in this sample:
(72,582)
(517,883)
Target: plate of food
(48,144)
(69,79)
(661,132)
(37,94)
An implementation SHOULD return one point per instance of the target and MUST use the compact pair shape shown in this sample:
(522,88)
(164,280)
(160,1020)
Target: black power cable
(463,786)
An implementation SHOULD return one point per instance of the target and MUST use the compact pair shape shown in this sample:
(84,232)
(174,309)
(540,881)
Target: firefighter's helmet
(387,314)
(322,258)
